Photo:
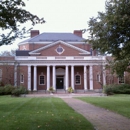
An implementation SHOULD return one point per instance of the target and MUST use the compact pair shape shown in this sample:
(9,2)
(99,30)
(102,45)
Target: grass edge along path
(38,114)
(117,103)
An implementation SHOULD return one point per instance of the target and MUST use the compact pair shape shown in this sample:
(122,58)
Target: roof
(53,37)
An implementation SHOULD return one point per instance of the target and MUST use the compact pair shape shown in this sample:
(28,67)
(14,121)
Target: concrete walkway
(102,119)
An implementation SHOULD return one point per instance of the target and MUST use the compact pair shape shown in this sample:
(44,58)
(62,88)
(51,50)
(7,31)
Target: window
(21,78)
(42,80)
(98,78)
(77,79)
(59,50)
(0,74)
(121,79)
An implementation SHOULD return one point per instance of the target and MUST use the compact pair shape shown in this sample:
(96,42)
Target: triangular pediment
(59,47)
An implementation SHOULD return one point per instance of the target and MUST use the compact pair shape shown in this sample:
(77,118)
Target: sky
(62,15)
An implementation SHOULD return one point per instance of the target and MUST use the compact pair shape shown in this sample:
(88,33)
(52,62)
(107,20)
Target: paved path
(102,119)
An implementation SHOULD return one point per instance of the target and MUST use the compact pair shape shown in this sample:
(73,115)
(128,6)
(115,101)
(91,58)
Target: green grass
(39,114)
(117,103)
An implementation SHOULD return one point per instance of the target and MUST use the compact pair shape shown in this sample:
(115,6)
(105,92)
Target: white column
(29,78)
(91,77)
(66,78)
(104,76)
(15,75)
(85,78)
(72,76)
(48,77)
(35,78)
(54,78)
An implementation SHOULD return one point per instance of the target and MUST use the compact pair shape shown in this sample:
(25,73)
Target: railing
(60,58)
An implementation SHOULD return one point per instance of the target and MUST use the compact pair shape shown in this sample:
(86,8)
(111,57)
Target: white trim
(98,77)
(35,78)
(29,77)
(0,74)
(79,79)
(91,76)
(72,76)
(39,79)
(21,78)
(120,79)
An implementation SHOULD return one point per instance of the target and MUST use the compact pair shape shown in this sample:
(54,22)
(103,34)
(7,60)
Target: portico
(66,74)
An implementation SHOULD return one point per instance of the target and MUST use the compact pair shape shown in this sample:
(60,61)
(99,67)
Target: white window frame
(0,74)
(21,78)
(120,79)
(40,78)
(79,79)
(98,77)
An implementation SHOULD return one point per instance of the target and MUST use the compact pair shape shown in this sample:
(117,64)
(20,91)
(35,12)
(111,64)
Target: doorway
(59,82)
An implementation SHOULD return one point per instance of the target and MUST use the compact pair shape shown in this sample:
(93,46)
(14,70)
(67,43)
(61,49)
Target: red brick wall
(40,70)
(67,51)
(7,74)
(23,70)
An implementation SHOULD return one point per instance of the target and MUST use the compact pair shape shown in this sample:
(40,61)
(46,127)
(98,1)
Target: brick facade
(74,65)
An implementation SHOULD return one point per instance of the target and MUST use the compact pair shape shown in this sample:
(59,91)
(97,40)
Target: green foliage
(11,90)
(117,89)
(19,90)
(12,15)
(51,89)
(70,90)
(110,33)
(2,91)
(6,90)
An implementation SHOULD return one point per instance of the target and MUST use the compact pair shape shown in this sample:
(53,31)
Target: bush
(70,90)
(8,89)
(1,90)
(117,89)
(19,90)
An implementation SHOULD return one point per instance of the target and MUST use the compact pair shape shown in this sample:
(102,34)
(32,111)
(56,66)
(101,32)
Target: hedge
(117,89)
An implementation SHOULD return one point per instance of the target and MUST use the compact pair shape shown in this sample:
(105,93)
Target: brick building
(59,60)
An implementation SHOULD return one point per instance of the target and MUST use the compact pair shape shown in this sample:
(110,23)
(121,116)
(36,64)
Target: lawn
(39,114)
(116,103)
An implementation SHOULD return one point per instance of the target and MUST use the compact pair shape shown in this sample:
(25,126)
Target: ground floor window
(98,77)
(42,80)
(21,78)
(121,79)
(0,74)
(77,79)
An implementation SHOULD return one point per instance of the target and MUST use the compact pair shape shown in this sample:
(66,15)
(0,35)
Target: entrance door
(59,82)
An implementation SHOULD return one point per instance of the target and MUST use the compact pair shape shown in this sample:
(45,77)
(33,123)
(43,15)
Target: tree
(8,53)
(110,33)
(12,15)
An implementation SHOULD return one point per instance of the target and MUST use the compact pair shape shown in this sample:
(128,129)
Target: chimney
(34,33)
(78,33)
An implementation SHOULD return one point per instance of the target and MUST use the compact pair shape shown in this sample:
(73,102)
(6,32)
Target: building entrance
(59,82)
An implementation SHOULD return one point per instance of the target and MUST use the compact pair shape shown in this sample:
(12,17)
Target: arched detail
(60,71)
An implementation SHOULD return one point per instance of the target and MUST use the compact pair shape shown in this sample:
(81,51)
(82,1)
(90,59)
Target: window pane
(77,79)
(41,79)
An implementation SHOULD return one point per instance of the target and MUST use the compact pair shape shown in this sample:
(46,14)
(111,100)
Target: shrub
(70,90)
(19,90)
(8,89)
(1,90)
(117,89)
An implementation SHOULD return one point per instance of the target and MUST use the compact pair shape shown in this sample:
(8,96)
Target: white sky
(62,15)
